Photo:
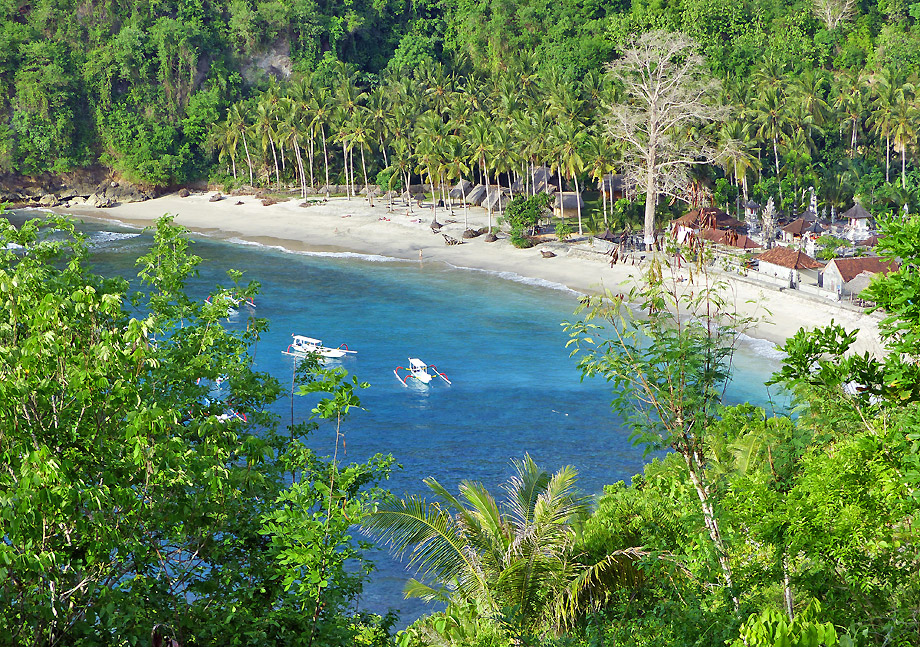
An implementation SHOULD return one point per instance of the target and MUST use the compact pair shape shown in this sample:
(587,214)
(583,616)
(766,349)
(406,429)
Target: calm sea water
(498,339)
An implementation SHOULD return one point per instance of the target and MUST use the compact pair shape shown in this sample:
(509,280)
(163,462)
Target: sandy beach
(343,225)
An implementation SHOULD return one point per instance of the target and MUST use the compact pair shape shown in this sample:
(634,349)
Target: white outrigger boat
(304,346)
(419,370)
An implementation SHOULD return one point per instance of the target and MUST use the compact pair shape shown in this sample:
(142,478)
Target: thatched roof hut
(568,203)
(496,199)
(476,195)
(461,189)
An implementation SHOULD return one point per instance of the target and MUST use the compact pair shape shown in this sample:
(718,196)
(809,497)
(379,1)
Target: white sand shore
(353,225)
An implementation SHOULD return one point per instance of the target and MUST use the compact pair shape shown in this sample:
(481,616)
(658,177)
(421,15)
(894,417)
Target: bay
(498,338)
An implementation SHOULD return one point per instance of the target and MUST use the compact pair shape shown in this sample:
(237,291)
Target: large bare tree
(834,13)
(669,94)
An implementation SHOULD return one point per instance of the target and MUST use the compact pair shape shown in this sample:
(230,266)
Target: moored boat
(303,346)
(419,370)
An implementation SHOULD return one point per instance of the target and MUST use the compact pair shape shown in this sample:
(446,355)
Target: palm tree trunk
(578,205)
(351,165)
(345,164)
(275,157)
(904,165)
(326,158)
(485,176)
(303,179)
(434,196)
(248,158)
(466,207)
(370,197)
(604,201)
(887,157)
(312,181)
(383,149)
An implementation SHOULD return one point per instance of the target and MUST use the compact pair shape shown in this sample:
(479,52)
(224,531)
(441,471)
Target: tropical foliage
(146,491)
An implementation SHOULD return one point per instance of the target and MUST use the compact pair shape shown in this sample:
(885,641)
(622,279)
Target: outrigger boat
(304,346)
(419,370)
(232,301)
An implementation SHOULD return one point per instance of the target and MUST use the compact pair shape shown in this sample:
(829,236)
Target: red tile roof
(730,238)
(707,216)
(791,258)
(850,268)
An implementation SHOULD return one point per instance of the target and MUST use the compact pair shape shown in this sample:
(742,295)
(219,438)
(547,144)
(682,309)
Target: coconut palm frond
(483,514)
(416,589)
(591,589)
(437,548)
(523,490)
(559,502)
(443,494)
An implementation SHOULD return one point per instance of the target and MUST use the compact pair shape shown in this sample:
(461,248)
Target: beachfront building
(729,238)
(752,215)
(789,265)
(567,205)
(850,276)
(802,227)
(613,186)
(858,221)
(697,220)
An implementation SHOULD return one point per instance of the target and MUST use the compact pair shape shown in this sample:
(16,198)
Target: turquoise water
(500,342)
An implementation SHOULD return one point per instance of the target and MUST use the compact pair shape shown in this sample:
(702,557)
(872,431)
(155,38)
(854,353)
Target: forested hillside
(138,85)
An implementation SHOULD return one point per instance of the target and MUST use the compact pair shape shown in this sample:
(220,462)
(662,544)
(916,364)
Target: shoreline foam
(343,228)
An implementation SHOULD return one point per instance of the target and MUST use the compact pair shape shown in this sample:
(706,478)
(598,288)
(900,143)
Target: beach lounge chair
(451,241)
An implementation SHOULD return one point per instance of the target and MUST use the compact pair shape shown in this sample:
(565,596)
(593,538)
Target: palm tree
(225,138)
(430,136)
(519,560)
(850,100)
(380,116)
(737,157)
(289,129)
(905,130)
(479,143)
(598,158)
(265,129)
(769,112)
(361,133)
(321,107)
(455,166)
(881,118)
(236,118)
(570,137)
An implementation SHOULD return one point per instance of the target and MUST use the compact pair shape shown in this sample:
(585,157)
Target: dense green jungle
(818,93)
(133,513)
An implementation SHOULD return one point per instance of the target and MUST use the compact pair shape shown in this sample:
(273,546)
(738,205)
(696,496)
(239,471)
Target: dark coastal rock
(490,238)
(267,202)
(49,200)
(547,254)
(184,193)
(217,197)
(471,233)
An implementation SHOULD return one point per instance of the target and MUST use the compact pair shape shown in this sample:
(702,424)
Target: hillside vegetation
(821,93)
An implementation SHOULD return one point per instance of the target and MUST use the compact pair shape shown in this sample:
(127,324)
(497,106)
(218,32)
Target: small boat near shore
(304,346)
(419,370)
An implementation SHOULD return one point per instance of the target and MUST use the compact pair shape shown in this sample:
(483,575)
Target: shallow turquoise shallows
(498,338)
